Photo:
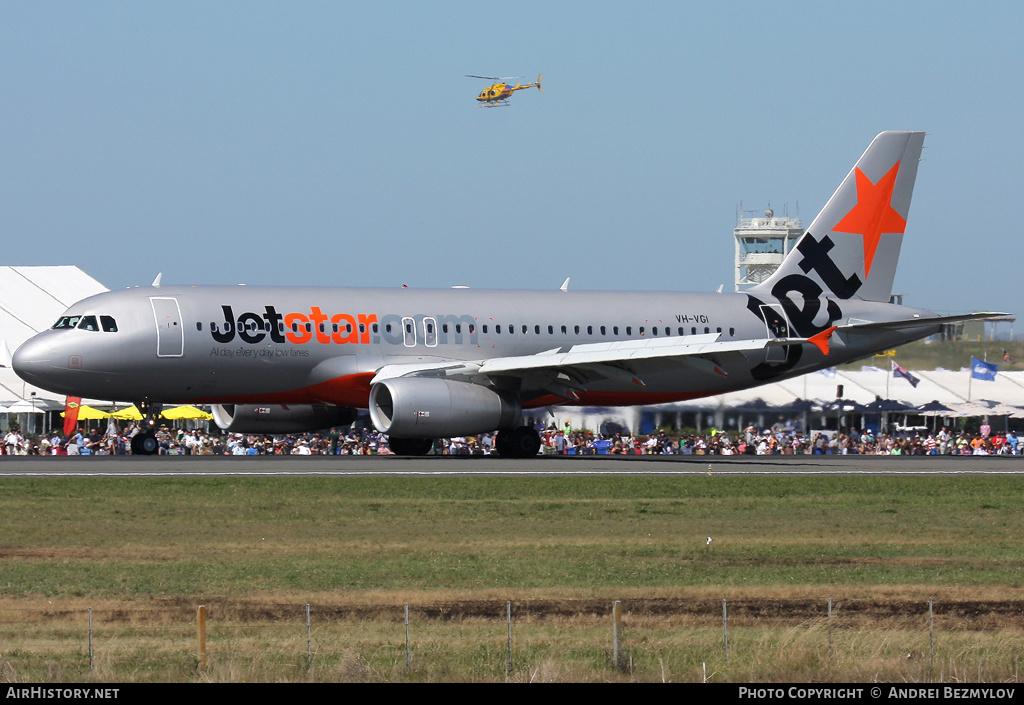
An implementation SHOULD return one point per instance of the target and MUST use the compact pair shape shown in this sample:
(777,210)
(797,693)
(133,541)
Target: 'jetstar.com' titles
(338,328)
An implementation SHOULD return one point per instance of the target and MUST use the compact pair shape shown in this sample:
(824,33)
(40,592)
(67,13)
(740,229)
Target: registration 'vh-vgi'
(460,361)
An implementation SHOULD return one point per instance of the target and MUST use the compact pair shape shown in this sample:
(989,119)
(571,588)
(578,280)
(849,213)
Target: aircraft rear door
(777,327)
(170,335)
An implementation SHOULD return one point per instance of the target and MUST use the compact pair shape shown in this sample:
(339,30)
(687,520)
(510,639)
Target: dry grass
(775,638)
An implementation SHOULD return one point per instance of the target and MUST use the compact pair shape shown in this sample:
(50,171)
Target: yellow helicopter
(500,92)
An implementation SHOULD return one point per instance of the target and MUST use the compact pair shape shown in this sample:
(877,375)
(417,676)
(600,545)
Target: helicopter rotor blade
(486,78)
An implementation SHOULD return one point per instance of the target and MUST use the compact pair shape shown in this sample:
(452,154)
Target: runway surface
(470,466)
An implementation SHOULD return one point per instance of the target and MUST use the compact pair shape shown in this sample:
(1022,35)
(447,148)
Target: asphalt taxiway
(469,466)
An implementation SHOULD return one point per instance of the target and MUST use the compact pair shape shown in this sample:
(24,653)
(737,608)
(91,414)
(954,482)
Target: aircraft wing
(563,371)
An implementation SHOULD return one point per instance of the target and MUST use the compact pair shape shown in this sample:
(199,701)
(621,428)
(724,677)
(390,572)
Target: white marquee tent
(31,299)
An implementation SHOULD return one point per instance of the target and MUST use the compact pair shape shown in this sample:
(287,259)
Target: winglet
(565,285)
(820,340)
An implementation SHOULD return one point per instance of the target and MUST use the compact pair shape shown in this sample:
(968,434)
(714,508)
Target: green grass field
(129,544)
(243,537)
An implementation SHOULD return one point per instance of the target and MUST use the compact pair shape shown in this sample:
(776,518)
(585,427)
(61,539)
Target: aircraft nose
(32,360)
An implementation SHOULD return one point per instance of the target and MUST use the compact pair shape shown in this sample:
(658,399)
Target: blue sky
(336,143)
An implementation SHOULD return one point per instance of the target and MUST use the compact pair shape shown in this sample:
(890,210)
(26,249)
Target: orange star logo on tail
(873,214)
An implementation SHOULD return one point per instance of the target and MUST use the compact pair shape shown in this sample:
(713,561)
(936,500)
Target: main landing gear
(144,442)
(410,446)
(522,442)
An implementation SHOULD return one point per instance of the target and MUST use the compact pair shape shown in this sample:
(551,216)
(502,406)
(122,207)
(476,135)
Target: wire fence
(671,639)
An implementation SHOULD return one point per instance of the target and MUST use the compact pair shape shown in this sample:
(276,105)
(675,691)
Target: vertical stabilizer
(852,246)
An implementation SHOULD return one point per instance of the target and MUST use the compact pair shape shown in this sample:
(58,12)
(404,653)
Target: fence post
(201,624)
(309,641)
(408,655)
(617,634)
(508,619)
(725,631)
(830,629)
(931,635)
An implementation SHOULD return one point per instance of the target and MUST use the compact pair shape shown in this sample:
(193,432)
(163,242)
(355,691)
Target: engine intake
(426,407)
(268,418)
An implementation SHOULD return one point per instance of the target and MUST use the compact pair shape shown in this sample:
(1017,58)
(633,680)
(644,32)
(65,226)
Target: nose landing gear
(144,442)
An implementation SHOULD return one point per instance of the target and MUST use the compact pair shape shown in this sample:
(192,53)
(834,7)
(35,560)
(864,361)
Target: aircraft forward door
(170,335)
(776,326)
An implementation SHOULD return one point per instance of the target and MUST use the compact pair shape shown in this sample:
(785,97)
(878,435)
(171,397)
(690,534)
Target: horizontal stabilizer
(916,322)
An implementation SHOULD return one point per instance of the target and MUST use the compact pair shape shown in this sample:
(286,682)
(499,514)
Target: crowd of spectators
(780,439)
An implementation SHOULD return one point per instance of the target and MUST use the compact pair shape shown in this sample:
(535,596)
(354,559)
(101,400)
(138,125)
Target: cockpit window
(89,323)
(66,322)
(109,324)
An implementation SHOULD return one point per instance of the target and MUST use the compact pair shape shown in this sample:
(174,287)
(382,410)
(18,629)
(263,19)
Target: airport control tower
(761,245)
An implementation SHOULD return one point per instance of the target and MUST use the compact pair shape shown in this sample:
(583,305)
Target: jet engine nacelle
(426,407)
(268,418)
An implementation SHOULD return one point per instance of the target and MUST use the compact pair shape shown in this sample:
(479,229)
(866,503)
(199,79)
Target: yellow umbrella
(186,412)
(129,412)
(88,413)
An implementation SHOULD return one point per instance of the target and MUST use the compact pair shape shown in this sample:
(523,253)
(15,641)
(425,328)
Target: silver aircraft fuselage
(290,345)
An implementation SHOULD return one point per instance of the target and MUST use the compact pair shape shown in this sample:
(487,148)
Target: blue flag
(898,371)
(983,370)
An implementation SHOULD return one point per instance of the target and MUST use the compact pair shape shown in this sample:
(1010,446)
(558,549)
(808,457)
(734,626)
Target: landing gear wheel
(144,444)
(522,442)
(410,446)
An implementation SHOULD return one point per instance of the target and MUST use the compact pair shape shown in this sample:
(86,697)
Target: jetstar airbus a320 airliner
(453,362)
